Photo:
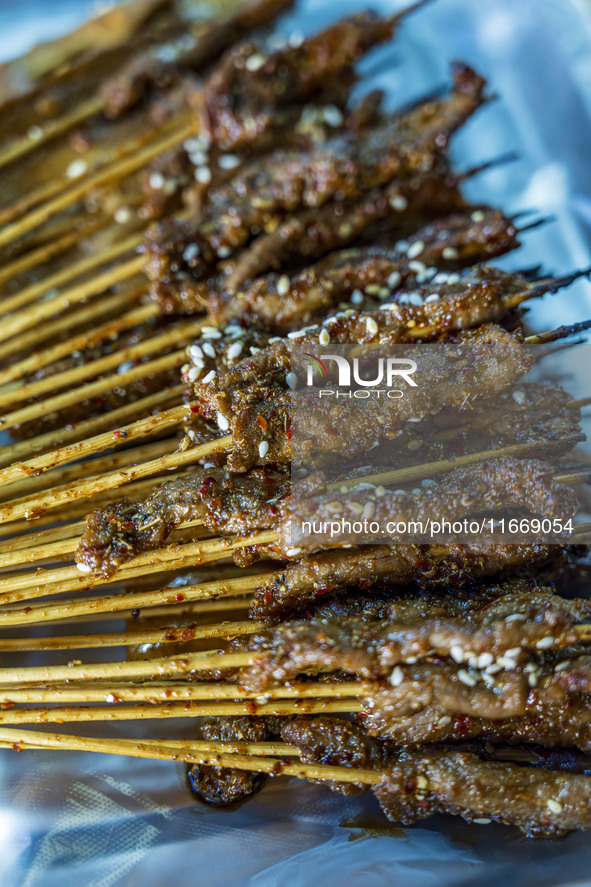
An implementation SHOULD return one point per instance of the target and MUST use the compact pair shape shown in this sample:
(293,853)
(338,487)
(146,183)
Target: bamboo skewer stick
(26,586)
(109,306)
(131,601)
(70,272)
(61,477)
(105,174)
(72,376)
(175,691)
(89,429)
(84,340)
(149,711)
(162,750)
(16,323)
(51,130)
(112,480)
(93,389)
(221,630)
(180,665)
(36,257)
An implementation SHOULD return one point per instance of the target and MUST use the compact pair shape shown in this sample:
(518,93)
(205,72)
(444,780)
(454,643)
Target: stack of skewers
(267,208)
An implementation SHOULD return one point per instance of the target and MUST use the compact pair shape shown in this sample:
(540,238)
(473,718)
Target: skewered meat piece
(310,233)
(160,68)
(309,585)
(344,168)
(221,786)
(340,743)
(250,91)
(450,242)
(254,402)
(117,532)
(376,650)
(539,802)
(485,487)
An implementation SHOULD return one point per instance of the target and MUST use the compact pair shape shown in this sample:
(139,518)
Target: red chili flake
(128,525)
(180,597)
(324,589)
(288,432)
(120,434)
(273,509)
(208,482)
(195,408)
(262,422)
(268,597)
(461,724)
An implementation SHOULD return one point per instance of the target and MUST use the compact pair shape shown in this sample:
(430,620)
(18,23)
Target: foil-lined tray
(70,819)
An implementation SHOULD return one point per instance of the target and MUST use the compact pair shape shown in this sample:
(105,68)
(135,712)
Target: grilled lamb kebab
(265,190)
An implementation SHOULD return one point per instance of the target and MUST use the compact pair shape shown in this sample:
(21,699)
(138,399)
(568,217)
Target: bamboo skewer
(91,429)
(84,340)
(175,691)
(132,600)
(72,376)
(70,272)
(222,630)
(36,257)
(149,711)
(162,750)
(110,306)
(18,322)
(108,173)
(51,130)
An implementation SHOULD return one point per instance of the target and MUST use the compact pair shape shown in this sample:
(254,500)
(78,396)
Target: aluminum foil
(68,820)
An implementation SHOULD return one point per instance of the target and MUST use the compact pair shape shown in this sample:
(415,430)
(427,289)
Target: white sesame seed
(263,449)
(235,350)
(34,133)
(356,297)
(444,721)
(453,279)
(450,252)
(209,350)
(516,617)
(209,378)
(457,653)
(544,643)
(415,249)
(402,246)
(156,181)
(398,202)
(324,337)
(203,175)
(554,806)
(482,820)
(194,372)
(417,266)
(229,161)
(291,380)
(373,289)
(432,298)
(394,279)
(122,215)
(223,423)
(493,669)
(467,678)
(195,352)
(562,665)
(296,334)
(254,350)
(505,662)
(371,326)
(255,62)
(76,169)
(211,334)
(513,652)
(292,552)
(519,396)
(415,299)
(332,115)
(283,285)
(224,252)
(478,215)
(485,659)
(532,679)
(84,568)
(191,252)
